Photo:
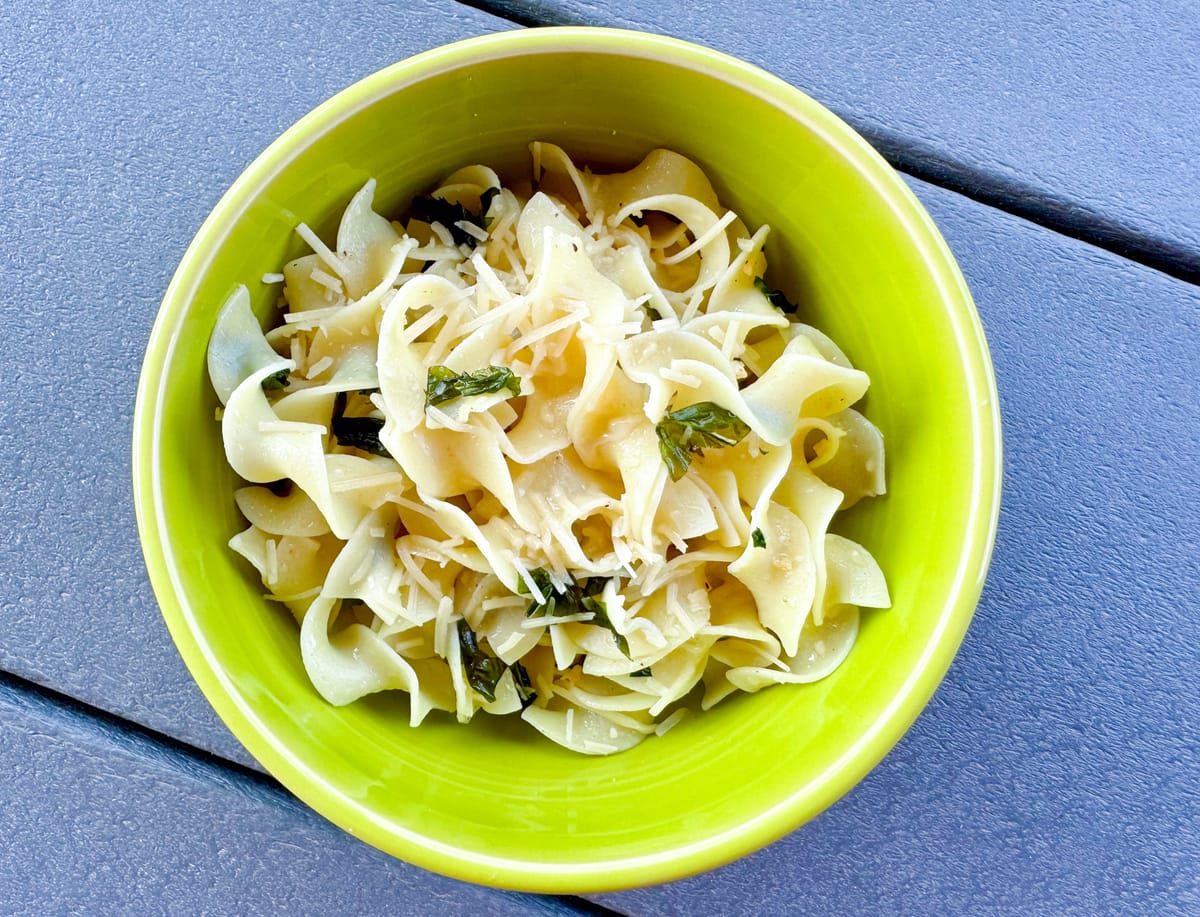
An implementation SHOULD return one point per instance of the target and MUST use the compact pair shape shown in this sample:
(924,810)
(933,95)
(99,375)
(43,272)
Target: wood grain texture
(96,821)
(1080,115)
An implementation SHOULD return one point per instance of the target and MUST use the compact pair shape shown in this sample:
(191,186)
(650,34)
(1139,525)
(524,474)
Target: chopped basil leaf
(485,203)
(444,384)
(596,607)
(541,579)
(699,426)
(359,432)
(577,598)
(641,673)
(483,669)
(758,539)
(276,381)
(775,297)
(523,685)
(429,209)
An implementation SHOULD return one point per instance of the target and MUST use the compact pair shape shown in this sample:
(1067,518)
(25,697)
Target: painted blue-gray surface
(121,124)
(1057,770)
(1082,113)
(97,821)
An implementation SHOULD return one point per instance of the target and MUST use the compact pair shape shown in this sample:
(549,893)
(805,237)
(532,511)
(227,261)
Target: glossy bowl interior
(493,802)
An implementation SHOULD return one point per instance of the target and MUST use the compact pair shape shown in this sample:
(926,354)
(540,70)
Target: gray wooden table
(1055,145)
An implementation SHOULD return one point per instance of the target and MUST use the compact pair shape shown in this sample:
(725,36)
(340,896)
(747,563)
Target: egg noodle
(553,449)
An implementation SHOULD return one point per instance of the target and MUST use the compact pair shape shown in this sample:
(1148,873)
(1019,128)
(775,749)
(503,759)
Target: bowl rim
(784,815)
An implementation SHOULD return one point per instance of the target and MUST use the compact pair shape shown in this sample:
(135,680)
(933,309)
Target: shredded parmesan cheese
(576,493)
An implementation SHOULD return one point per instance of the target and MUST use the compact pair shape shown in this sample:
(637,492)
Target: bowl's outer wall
(493,802)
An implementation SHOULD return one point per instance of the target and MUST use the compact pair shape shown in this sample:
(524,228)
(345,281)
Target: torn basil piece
(430,209)
(541,578)
(689,430)
(653,314)
(758,539)
(444,384)
(358,432)
(523,684)
(483,669)
(601,618)
(774,297)
(485,204)
(578,597)
(361,433)
(276,381)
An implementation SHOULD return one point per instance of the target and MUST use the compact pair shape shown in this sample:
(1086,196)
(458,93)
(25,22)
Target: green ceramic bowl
(491,802)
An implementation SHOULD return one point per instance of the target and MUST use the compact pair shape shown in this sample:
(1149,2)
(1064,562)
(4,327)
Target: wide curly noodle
(552,449)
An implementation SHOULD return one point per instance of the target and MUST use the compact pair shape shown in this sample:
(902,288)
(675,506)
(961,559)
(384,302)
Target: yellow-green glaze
(493,802)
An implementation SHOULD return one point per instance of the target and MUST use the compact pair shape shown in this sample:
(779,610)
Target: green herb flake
(444,384)
(758,539)
(641,673)
(361,433)
(483,669)
(541,579)
(576,598)
(523,684)
(689,430)
(601,618)
(429,209)
(775,297)
(485,203)
(358,432)
(276,381)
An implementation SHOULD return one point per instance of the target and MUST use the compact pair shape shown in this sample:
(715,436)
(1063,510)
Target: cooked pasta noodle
(552,449)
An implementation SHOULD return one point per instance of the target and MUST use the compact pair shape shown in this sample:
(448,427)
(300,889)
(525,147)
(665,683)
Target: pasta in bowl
(554,449)
(474,420)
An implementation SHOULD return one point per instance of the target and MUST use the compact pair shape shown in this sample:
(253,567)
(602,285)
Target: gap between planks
(934,167)
(31,698)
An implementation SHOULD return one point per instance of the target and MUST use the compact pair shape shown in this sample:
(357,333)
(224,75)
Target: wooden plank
(1080,115)
(1051,771)
(128,122)
(1055,770)
(98,821)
